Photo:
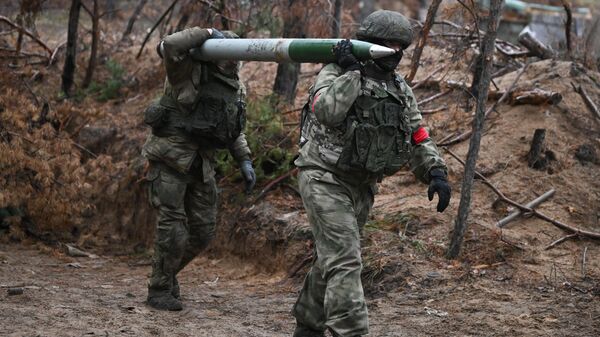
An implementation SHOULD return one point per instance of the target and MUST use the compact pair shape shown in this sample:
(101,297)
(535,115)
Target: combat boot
(164,300)
(304,331)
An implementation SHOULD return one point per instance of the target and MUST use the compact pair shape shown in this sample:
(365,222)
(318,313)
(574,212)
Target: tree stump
(536,158)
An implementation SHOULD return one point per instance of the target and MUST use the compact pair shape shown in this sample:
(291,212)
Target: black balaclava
(390,62)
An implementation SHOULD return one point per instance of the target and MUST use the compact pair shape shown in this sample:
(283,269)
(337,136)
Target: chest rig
(374,138)
(218,113)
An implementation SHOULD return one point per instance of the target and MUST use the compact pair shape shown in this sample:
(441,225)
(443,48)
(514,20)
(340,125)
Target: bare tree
(287,73)
(337,18)
(433,8)
(487,50)
(94,51)
(133,18)
(71,53)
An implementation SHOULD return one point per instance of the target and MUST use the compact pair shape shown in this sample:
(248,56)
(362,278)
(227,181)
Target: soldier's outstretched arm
(426,162)
(334,93)
(174,49)
(426,156)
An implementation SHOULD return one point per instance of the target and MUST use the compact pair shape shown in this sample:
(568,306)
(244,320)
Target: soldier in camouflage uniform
(201,110)
(361,123)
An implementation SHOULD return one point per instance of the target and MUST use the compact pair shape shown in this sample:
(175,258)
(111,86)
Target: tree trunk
(287,73)
(337,18)
(416,58)
(366,7)
(222,11)
(133,18)
(71,52)
(94,51)
(487,50)
(110,9)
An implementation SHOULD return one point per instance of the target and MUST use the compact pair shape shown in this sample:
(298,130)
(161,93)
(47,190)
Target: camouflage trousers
(332,296)
(187,209)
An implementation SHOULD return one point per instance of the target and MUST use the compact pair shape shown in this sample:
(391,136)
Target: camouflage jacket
(332,97)
(180,151)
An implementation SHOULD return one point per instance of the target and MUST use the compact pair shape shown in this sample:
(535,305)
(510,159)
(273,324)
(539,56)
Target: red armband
(314,101)
(420,135)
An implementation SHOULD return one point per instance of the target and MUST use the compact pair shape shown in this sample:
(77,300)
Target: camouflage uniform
(181,175)
(338,192)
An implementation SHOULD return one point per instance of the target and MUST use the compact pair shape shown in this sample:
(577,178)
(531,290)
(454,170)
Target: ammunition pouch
(378,139)
(155,116)
(217,121)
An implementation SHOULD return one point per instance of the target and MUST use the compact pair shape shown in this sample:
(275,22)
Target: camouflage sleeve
(426,155)
(334,94)
(175,49)
(239,148)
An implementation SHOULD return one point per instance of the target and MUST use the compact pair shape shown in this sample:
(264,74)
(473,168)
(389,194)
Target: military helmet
(386,25)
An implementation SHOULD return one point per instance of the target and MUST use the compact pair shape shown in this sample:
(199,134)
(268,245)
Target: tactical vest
(375,137)
(218,113)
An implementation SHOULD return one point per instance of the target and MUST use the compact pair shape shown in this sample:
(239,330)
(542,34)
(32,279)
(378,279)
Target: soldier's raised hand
(344,56)
(215,34)
(439,184)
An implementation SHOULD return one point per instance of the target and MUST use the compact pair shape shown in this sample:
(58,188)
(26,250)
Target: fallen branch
(434,97)
(55,53)
(26,32)
(162,17)
(420,83)
(20,54)
(274,183)
(508,91)
(534,203)
(83,148)
(432,111)
(504,96)
(588,101)
(561,240)
(563,226)
(536,96)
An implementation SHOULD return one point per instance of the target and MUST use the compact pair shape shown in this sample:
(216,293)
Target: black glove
(439,185)
(248,175)
(344,56)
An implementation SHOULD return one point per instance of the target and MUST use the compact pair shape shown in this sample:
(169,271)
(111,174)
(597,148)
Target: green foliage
(266,137)
(109,89)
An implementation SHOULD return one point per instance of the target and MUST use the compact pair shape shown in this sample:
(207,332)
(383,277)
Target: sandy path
(105,297)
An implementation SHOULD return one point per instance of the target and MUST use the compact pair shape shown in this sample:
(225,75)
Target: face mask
(389,63)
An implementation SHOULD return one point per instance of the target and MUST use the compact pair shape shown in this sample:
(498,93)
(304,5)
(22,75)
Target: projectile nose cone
(378,51)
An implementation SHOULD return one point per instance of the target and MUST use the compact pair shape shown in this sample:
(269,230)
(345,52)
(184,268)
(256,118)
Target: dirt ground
(104,296)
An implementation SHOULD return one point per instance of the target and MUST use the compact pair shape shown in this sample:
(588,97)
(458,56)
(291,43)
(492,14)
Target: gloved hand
(248,174)
(216,34)
(439,184)
(344,56)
